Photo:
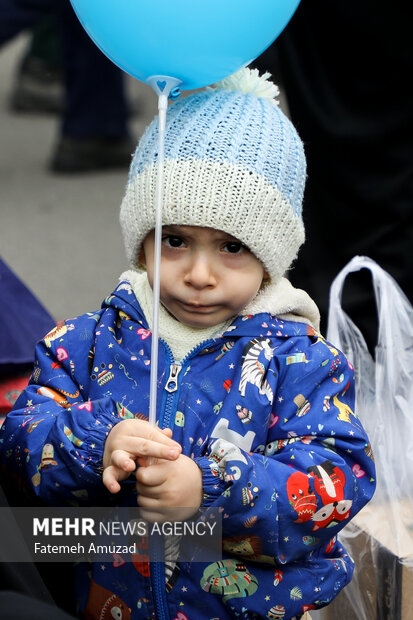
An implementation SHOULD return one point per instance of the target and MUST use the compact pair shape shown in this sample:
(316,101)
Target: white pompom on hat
(233,162)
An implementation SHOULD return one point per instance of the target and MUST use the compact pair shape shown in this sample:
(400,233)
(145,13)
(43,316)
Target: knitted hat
(233,162)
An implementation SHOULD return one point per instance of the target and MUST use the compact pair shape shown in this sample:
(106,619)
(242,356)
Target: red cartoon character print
(105,605)
(301,496)
(329,482)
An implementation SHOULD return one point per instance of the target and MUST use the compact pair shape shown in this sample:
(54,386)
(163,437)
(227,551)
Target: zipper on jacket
(172,382)
(157,572)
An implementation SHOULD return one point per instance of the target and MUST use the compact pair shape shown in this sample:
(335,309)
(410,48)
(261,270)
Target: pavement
(59,233)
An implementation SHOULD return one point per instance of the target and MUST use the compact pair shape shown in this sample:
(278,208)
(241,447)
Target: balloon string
(162,107)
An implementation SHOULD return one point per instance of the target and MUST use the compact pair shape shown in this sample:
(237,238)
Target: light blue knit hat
(233,161)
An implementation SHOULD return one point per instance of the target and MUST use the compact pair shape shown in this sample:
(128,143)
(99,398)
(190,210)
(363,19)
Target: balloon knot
(250,81)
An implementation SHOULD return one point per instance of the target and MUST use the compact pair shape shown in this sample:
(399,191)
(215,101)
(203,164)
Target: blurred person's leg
(38,82)
(94,131)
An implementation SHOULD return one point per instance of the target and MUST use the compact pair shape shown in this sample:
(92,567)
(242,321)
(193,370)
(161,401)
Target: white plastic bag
(384,403)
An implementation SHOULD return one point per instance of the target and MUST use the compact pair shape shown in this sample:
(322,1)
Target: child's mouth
(195,307)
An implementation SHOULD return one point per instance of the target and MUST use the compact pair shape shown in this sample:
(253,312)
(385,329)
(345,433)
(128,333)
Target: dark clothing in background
(96,102)
(24,321)
(18,15)
(345,68)
(95,92)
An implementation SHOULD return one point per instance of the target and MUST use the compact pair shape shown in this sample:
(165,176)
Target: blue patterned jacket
(266,411)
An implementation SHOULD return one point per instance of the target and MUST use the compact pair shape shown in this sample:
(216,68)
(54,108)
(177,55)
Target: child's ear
(265,279)
(142,257)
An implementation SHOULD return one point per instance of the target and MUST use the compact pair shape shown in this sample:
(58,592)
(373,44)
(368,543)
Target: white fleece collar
(286,302)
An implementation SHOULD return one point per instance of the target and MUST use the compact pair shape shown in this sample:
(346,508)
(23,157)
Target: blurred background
(59,233)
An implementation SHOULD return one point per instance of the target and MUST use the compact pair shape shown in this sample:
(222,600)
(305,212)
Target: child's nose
(200,273)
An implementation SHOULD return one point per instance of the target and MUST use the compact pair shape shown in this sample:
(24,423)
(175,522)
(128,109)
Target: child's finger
(152,510)
(151,503)
(122,460)
(167,431)
(153,516)
(140,446)
(148,491)
(110,479)
(152,476)
(152,433)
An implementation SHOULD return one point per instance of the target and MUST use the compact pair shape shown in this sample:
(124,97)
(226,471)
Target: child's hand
(166,485)
(130,440)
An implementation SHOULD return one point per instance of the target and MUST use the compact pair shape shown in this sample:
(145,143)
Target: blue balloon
(198,42)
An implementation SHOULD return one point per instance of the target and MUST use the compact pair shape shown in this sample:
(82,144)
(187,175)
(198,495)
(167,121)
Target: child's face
(207,276)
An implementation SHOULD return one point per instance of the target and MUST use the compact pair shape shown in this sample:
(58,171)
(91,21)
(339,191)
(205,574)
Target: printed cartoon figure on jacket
(256,417)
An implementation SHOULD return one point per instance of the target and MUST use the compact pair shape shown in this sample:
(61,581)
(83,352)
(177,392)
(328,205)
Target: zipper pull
(172,383)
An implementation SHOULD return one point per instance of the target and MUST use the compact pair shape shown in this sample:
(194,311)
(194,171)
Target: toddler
(255,409)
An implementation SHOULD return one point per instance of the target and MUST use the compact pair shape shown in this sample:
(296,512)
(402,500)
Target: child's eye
(173,241)
(233,247)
